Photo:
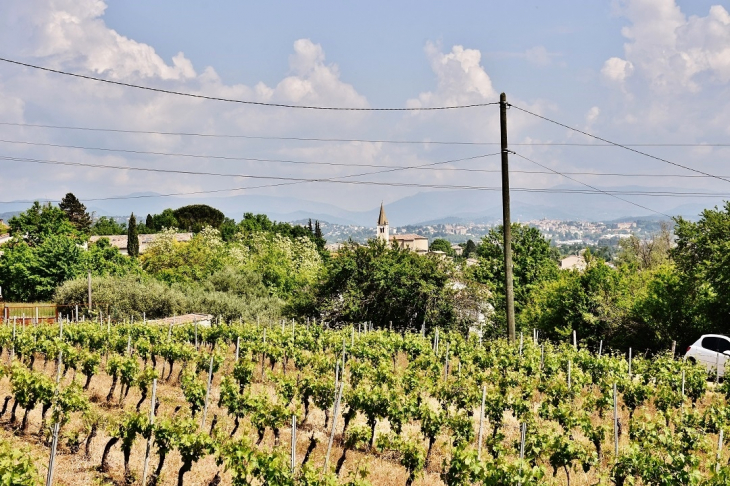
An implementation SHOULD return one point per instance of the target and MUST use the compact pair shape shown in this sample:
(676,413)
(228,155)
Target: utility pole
(509,291)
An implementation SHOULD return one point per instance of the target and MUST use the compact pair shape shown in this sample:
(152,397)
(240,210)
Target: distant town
(560,233)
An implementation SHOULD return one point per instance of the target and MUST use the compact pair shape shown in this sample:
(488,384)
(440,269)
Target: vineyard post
(719,451)
(36,316)
(334,425)
(337,375)
(575,340)
(423,328)
(23,319)
(629,363)
(600,348)
(283,325)
(238,346)
(390,326)
(569,366)
(343,354)
(144,318)
(89,282)
(542,356)
(446,362)
(57,425)
(523,434)
(717,368)
(149,439)
(263,356)
(682,389)
(674,347)
(77,313)
(207,392)
(129,345)
(293,443)
(293,331)
(615,421)
(352,336)
(196,335)
(169,331)
(481,423)
(520,344)
(108,324)
(12,349)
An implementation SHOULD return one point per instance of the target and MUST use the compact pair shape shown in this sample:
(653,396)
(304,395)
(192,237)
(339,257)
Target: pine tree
(76,212)
(132,238)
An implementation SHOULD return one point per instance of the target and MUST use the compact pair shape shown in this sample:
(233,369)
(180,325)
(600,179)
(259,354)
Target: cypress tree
(149,222)
(317,230)
(310,226)
(132,238)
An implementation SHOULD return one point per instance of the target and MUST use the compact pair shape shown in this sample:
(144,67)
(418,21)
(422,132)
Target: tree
(595,303)
(132,237)
(470,250)
(105,226)
(40,221)
(149,222)
(104,259)
(166,219)
(646,253)
(228,229)
(532,259)
(32,273)
(76,212)
(197,216)
(381,283)
(702,256)
(439,244)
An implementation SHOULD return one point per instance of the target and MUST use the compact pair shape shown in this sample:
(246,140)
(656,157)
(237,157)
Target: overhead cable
(244,102)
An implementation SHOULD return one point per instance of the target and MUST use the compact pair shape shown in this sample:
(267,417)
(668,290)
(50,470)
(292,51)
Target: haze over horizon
(647,72)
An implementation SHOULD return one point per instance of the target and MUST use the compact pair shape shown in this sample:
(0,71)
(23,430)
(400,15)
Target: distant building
(417,243)
(573,262)
(457,250)
(120,241)
(383,226)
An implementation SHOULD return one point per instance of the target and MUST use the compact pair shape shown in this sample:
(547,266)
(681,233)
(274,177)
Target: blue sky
(636,71)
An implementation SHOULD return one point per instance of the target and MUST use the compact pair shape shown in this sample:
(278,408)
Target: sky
(651,72)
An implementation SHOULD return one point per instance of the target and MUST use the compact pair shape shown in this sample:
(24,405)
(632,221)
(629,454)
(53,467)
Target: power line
(394,184)
(626,147)
(360,140)
(590,186)
(228,100)
(340,164)
(224,157)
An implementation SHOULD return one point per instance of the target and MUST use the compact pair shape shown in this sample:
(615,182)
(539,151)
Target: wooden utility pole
(509,292)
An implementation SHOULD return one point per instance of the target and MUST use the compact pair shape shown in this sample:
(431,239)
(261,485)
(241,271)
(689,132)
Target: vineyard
(297,404)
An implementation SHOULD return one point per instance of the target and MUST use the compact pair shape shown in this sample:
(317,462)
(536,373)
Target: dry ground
(75,469)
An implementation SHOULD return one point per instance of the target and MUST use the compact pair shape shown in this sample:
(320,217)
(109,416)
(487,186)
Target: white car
(710,350)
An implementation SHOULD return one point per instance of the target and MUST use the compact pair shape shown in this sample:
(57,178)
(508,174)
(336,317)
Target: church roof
(382,219)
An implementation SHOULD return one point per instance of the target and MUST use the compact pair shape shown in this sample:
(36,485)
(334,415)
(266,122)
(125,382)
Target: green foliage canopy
(197,216)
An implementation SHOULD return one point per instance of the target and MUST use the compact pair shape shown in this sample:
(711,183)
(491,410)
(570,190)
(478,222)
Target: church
(416,243)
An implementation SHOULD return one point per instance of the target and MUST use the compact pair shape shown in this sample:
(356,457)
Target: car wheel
(692,360)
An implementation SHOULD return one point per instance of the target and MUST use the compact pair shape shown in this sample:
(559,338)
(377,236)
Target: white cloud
(539,56)
(617,70)
(460,78)
(669,50)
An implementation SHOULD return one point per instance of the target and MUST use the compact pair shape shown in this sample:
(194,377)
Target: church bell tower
(383,228)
